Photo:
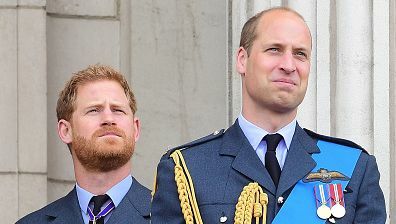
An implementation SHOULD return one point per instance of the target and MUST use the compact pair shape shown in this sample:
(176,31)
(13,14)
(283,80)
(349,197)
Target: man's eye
(273,49)
(300,53)
(94,110)
(119,111)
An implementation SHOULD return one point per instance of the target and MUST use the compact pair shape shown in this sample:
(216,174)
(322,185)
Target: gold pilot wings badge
(325,176)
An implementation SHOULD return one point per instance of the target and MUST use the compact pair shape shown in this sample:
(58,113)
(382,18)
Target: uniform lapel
(133,207)
(67,210)
(298,161)
(246,160)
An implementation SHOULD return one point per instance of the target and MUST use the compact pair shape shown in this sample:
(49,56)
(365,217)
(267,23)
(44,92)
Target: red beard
(103,154)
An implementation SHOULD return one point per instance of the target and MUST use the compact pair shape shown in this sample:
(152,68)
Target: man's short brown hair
(67,97)
(249,34)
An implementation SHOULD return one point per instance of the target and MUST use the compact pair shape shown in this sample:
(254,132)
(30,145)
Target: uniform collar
(116,193)
(255,134)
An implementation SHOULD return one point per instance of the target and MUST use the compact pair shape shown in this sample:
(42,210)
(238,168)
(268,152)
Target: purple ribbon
(106,210)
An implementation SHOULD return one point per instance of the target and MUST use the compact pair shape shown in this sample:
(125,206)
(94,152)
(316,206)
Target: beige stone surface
(9,197)
(58,189)
(34,3)
(178,61)
(72,45)
(8,93)
(32,88)
(32,189)
(83,7)
(8,3)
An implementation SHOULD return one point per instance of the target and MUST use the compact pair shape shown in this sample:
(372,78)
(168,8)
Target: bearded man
(96,119)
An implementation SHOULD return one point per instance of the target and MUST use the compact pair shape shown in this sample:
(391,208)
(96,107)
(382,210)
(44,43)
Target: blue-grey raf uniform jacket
(133,209)
(223,163)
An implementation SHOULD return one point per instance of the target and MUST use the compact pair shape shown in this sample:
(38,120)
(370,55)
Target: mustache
(109,130)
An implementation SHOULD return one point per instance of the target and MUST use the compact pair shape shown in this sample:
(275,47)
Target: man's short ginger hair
(67,97)
(249,30)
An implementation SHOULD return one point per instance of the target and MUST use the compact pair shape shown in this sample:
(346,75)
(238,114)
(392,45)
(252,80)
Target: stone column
(23,154)
(8,98)
(32,107)
(392,108)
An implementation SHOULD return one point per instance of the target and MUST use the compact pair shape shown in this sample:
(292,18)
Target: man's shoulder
(140,197)
(43,215)
(140,191)
(209,139)
(339,141)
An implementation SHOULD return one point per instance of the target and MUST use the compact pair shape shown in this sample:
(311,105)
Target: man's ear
(136,127)
(65,131)
(241,60)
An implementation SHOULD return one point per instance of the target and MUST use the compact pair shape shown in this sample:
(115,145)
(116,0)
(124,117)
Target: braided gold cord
(251,203)
(185,188)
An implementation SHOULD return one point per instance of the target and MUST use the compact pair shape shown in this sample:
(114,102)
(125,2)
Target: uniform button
(223,219)
(280,200)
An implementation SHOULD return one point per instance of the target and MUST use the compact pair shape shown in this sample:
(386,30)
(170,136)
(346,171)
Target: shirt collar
(116,193)
(255,134)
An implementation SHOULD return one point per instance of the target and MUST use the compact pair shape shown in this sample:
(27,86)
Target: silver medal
(323,212)
(338,210)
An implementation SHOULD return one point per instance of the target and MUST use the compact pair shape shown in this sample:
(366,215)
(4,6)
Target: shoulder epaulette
(202,140)
(334,140)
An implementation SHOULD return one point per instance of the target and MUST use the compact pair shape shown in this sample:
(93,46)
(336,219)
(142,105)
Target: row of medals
(337,210)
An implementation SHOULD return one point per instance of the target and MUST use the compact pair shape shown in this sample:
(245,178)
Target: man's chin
(112,142)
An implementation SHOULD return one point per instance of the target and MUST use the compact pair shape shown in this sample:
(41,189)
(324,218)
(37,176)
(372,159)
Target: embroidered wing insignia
(325,176)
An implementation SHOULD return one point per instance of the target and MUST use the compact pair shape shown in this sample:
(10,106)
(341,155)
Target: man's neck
(269,120)
(100,182)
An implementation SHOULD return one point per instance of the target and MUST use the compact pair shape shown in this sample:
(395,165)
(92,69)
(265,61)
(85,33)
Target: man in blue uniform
(265,167)
(96,119)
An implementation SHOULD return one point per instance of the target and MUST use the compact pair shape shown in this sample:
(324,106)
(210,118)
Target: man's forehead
(277,18)
(96,90)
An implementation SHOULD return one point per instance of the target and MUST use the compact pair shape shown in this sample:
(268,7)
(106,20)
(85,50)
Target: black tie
(271,163)
(98,202)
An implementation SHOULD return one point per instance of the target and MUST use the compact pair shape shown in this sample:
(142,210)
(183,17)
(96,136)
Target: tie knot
(98,202)
(272,141)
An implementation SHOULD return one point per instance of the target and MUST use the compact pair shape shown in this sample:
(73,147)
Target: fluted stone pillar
(392,108)
(354,87)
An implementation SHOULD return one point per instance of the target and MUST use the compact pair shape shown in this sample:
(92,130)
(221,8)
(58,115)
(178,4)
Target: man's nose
(108,117)
(287,63)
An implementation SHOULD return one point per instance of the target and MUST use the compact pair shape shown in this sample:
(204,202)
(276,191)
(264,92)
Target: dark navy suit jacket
(134,209)
(222,164)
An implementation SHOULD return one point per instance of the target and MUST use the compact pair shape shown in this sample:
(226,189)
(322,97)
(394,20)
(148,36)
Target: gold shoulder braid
(185,188)
(251,203)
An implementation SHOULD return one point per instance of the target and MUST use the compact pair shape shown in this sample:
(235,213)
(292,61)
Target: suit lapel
(134,206)
(67,210)
(298,161)
(246,160)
